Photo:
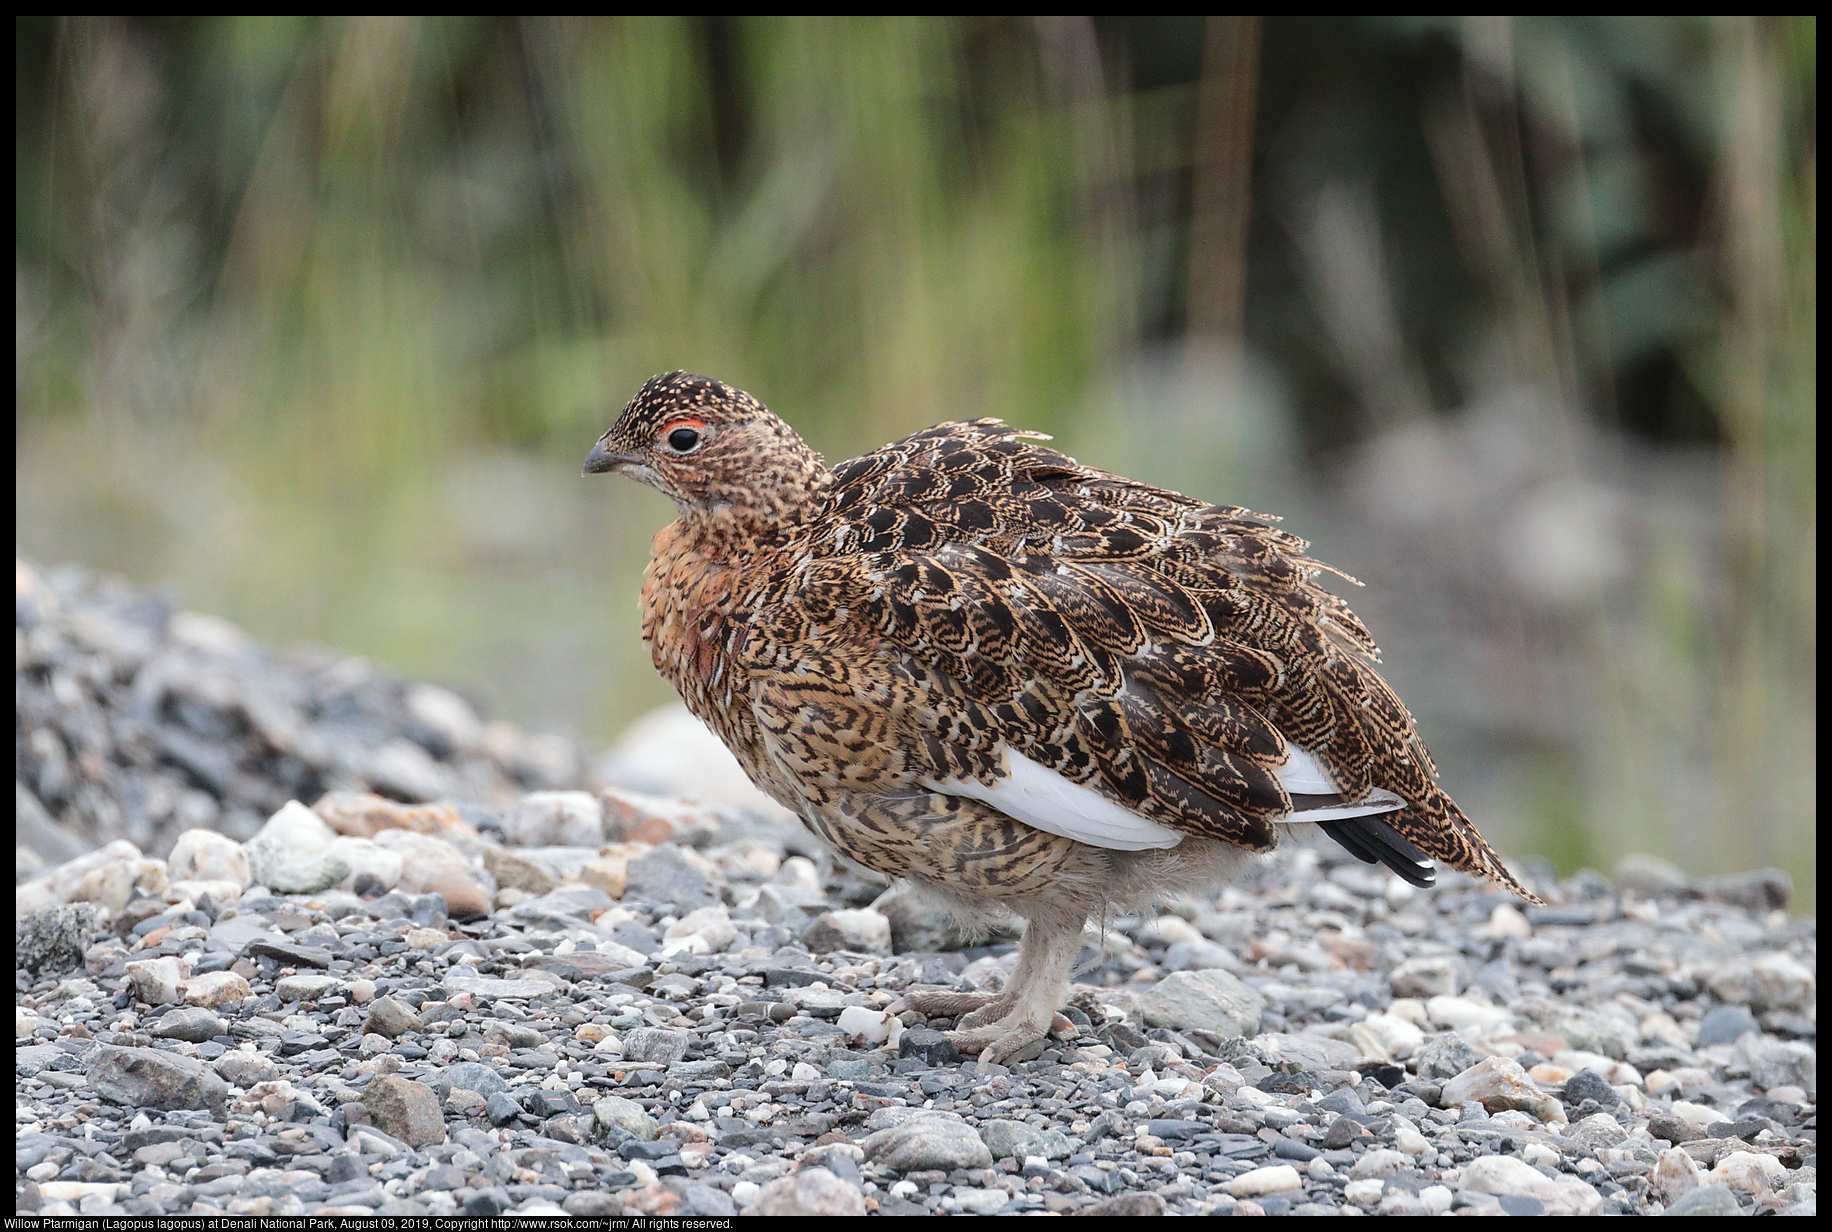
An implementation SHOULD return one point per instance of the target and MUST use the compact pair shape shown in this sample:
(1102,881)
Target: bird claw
(999,1042)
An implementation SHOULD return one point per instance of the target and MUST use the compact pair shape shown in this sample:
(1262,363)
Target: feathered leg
(998,1026)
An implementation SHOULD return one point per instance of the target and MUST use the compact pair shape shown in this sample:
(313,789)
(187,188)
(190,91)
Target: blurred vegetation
(316,318)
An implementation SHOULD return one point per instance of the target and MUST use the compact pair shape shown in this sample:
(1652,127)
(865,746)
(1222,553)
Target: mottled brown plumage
(972,662)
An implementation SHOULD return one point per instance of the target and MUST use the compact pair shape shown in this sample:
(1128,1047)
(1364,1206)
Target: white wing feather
(1034,794)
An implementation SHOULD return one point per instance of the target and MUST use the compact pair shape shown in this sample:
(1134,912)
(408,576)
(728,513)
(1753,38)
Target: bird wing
(1098,657)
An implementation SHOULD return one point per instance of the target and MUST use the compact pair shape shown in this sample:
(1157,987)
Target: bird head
(708,446)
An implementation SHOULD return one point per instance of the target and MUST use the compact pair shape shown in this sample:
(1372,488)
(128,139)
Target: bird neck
(775,495)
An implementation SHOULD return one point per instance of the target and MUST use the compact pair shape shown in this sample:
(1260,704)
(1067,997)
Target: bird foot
(991,1024)
(1000,1041)
(941,1003)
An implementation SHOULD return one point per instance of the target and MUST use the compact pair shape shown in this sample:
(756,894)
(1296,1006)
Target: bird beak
(600,460)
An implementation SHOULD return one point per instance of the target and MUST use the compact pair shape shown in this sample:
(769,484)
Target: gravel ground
(481,974)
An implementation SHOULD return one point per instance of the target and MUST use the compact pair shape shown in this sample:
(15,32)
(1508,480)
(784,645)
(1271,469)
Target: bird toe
(944,1003)
(1003,1043)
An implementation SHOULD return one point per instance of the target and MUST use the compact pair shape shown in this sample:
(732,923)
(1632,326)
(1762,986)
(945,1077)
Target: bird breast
(687,602)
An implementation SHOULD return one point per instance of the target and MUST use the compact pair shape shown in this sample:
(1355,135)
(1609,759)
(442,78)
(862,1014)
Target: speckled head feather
(968,660)
(712,448)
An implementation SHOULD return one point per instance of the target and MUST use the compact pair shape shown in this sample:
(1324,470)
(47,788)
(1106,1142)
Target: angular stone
(1505,1175)
(926,1141)
(862,931)
(1016,1140)
(616,1112)
(468,1076)
(362,815)
(245,1069)
(288,854)
(514,872)
(666,876)
(390,1018)
(205,855)
(306,987)
(155,980)
(406,1109)
(549,818)
(215,988)
(1211,1001)
(655,1046)
(811,1192)
(54,938)
(153,1078)
(289,953)
(191,1023)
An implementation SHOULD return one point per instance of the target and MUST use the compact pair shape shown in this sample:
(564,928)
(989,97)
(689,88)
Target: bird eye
(684,440)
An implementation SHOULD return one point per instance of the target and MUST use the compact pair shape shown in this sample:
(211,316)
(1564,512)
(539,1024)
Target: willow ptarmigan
(972,662)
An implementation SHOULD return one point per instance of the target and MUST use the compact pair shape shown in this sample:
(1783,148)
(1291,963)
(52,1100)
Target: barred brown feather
(875,639)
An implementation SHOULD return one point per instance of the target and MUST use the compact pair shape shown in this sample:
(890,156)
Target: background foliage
(1515,318)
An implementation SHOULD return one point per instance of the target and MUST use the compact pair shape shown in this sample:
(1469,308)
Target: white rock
(205,855)
(460,980)
(64,883)
(868,1026)
(1307,1052)
(360,856)
(556,818)
(1261,1181)
(1406,1137)
(1498,1083)
(1697,1115)
(423,857)
(1171,929)
(928,1140)
(980,1201)
(216,988)
(208,633)
(1506,920)
(1461,1013)
(287,854)
(306,987)
(25,1022)
(711,925)
(1436,1199)
(78,1191)
(1503,1174)
(798,883)
(1429,975)
(1751,1172)
(1364,1193)
(614,1111)
(446,713)
(1616,1073)
(1386,1037)
(155,980)
(115,885)
(862,929)
(1675,1175)
(1776,979)
(1684,1079)
(370,1143)
(1382,1161)
(402,768)
(1537,1153)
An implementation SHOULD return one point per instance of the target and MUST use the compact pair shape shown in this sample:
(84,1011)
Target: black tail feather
(1373,841)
